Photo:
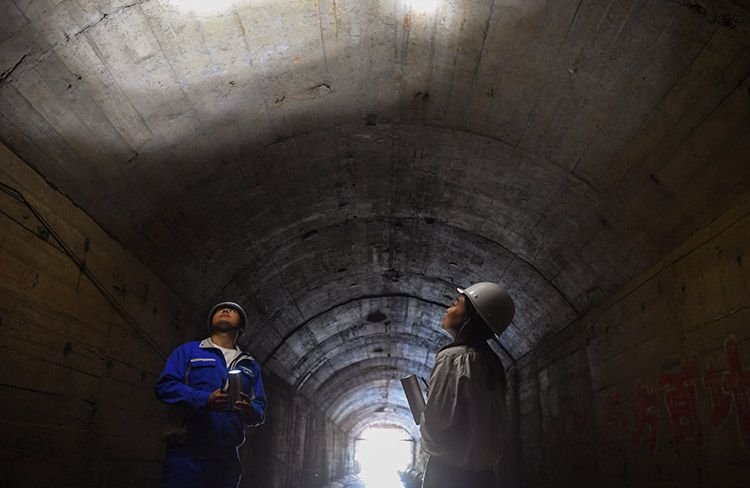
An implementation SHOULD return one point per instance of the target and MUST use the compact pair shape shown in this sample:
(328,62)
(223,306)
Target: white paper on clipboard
(414,395)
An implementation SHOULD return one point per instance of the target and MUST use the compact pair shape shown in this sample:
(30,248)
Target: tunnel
(339,168)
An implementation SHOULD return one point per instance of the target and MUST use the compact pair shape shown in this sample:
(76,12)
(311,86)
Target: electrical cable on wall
(81,265)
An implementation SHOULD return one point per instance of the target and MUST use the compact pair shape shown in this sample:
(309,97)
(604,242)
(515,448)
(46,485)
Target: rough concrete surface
(339,167)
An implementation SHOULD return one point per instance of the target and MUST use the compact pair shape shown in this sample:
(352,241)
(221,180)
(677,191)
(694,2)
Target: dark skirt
(437,474)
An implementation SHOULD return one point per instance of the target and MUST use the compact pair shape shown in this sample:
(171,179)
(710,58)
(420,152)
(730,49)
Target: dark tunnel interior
(339,168)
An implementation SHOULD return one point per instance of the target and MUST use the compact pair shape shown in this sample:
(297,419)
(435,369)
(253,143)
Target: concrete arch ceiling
(388,386)
(358,317)
(358,429)
(386,390)
(338,165)
(324,360)
(383,415)
(398,344)
(380,413)
(360,372)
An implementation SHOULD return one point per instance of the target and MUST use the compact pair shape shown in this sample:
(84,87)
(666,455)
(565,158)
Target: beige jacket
(463,421)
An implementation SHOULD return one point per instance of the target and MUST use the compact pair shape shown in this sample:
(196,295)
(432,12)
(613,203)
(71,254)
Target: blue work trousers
(185,469)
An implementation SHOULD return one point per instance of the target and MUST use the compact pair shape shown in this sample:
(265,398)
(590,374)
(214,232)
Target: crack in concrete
(572,20)
(323,84)
(10,70)
(29,63)
(322,39)
(487,26)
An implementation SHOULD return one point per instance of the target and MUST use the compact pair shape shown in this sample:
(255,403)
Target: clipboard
(414,395)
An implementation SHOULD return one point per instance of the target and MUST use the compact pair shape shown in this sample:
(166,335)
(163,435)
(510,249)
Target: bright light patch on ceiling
(202,7)
(422,5)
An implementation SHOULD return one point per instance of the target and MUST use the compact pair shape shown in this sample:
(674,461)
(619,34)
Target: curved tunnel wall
(342,189)
(79,362)
(586,403)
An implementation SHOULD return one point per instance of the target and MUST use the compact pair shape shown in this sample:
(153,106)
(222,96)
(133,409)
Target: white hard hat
(492,303)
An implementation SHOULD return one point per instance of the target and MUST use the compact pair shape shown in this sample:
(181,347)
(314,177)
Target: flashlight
(235,386)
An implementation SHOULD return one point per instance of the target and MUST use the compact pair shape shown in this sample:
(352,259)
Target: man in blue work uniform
(203,451)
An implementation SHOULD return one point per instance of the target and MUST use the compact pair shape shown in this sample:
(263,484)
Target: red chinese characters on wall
(646,417)
(721,401)
(681,397)
(730,390)
(616,421)
(679,393)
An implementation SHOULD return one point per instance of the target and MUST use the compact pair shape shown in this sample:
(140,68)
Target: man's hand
(218,400)
(244,408)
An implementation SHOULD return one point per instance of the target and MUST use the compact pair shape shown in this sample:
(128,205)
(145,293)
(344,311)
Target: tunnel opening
(381,453)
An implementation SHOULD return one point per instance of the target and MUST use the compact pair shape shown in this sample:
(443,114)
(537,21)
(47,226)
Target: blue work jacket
(193,371)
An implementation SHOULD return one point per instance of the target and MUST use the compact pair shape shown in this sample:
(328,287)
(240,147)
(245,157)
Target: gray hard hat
(236,306)
(492,303)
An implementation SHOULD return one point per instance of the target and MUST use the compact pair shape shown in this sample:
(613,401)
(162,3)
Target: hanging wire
(81,265)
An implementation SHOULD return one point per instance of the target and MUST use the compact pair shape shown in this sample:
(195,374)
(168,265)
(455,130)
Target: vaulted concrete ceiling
(339,166)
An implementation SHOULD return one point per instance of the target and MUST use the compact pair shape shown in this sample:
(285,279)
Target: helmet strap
(223,326)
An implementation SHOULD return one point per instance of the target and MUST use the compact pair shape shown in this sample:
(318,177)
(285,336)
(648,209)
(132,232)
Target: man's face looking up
(226,318)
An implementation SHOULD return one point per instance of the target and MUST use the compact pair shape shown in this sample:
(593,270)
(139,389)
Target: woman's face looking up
(455,314)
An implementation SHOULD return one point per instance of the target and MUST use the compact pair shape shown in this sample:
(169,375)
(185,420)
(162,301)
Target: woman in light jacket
(462,425)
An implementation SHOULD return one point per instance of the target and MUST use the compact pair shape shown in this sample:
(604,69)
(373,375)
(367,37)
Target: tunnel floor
(355,481)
